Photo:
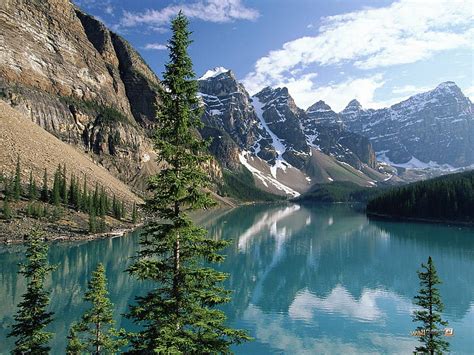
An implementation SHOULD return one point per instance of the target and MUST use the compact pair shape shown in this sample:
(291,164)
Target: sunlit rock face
(79,81)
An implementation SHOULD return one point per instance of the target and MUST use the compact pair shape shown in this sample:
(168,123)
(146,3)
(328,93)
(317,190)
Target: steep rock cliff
(79,81)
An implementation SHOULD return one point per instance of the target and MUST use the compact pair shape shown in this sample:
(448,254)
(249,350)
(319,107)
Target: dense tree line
(448,197)
(74,194)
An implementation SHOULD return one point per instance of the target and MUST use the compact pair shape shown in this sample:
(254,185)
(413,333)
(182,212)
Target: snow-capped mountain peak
(354,104)
(212,73)
(319,106)
(433,126)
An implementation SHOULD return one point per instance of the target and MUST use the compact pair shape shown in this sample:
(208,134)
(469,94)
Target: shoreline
(118,232)
(121,230)
(387,217)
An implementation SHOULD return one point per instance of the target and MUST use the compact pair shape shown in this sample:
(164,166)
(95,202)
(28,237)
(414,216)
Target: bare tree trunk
(97,337)
(176,269)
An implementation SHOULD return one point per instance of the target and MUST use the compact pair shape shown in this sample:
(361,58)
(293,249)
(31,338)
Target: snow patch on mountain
(278,145)
(265,179)
(211,73)
(415,163)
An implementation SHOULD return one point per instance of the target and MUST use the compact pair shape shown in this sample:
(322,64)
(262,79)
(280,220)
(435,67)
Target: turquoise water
(307,279)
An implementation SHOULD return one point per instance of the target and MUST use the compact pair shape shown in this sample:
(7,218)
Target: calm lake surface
(307,279)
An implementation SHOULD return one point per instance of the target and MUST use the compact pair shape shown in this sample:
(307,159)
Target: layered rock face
(281,119)
(228,107)
(324,129)
(79,81)
(434,128)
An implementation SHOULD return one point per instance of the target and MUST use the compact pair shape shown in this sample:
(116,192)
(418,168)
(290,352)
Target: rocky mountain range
(286,148)
(88,87)
(431,129)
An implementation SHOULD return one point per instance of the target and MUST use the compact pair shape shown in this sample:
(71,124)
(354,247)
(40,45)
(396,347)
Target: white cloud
(469,92)
(155,46)
(207,10)
(410,89)
(109,9)
(337,95)
(404,32)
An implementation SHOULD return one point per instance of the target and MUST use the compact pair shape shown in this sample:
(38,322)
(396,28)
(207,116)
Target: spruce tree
(84,197)
(179,315)
(64,191)
(32,316)
(44,190)
(74,344)
(95,199)
(122,210)
(32,190)
(429,299)
(17,181)
(134,214)
(7,210)
(102,210)
(56,193)
(95,333)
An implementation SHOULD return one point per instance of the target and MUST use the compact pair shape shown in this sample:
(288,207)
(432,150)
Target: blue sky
(377,51)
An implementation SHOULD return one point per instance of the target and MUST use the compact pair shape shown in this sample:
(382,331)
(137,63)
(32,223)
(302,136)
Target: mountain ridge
(435,126)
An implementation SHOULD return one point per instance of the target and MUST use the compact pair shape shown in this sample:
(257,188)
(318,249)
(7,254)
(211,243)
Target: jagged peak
(319,106)
(446,84)
(353,104)
(212,73)
(448,87)
(269,93)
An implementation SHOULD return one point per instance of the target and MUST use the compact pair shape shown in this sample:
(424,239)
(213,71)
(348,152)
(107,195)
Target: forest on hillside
(446,198)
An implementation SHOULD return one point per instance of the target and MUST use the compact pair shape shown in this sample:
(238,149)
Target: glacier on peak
(212,73)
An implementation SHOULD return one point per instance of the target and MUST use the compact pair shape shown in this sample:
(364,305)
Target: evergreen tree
(96,199)
(32,190)
(74,344)
(122,210)
(64,191)
(431,305)
(134,214)
(7,210)
(84,197)
(102,209)
(44,190)
(74,192)
(32,317)
(56,193)
(96,333)
(17,181)
(179,314)
(77,194)
(116,209)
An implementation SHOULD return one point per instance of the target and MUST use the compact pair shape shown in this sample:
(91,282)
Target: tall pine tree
(56,193)
(17,181)
(95,333)
(32,316)
(44,190)
(32,190)
(179,314)
(429,299)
